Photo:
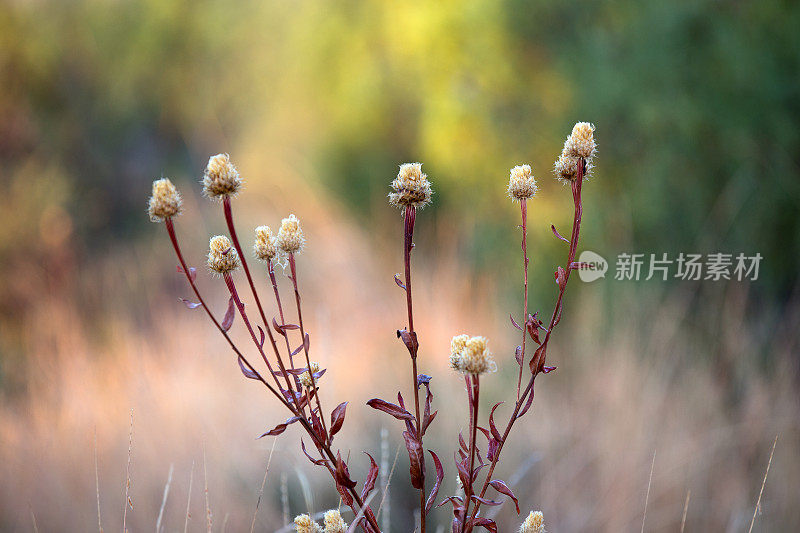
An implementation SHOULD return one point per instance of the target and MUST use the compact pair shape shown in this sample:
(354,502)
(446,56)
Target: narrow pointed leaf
(190,304)
(337,418)
(230,314)
(245,370)
(502,488)
(439,477)
(372,475)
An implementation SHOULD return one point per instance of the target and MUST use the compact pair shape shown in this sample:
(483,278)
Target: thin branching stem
(226,203)
(473,393)
(190,278)
(541,353)
(313,389)
(524,209)
(409,219)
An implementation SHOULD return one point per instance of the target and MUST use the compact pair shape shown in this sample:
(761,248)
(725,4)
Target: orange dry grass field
(630,384)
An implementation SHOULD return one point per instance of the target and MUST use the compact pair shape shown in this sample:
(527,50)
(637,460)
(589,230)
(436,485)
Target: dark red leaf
(557,234)
(416,459)
(428,421)
(342,473)
(458,503)
(534,363)
(399,283)
(486,501)
(280,428)
(492,427)
(306,342)
(190,304)
(317,462)
(561,278)
(409,338)
(390,408)
(297,350)
(494,444)
(502,488)
(527,405)
(576,265)
(227,322)
(372,475)
(485,522)
(439,477)
(548,369)
(461,442)
(423,379)
(514,322)
(245,370)
(263,337)
(337,418)
(462,468)
(192,272)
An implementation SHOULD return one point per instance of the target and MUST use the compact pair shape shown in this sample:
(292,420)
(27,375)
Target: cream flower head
(521,183)
(471,355)
(265,247)
(222,256)
(579,146)
(334,523)
(411,187)
(221,178)
(290,238)
(306,378)
(165,201)
(534,523)
(305,524)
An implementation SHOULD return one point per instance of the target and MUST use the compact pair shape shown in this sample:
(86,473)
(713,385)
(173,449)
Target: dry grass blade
(263,483)
(389,480)
(128,501)
(647,495)
(33,517)
(360,514)
(205,488)
(685,509)
(763,482)
(189,499)
(97,482)
(164,499)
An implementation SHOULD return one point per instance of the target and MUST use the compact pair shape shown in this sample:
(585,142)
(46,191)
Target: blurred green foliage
(696,105)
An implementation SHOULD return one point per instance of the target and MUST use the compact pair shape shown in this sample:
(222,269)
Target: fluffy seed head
(222,257)
(265,247)
(410,187)
(305,524)
(290,237)
(221,178)
(306,378)
(165,201)
(471,355)
(521,184)
(580,143)
(334,522)
(533,524)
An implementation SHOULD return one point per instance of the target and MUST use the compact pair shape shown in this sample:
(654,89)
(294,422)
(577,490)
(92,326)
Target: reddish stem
(314,388)
(573,245)
(409,219)
(226,203)
(524,209)
(473,394)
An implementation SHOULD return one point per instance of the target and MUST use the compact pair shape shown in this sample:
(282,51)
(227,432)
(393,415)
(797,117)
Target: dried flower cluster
(265,247)
(305,524)
(521,183)
(306,377)
(334,523)
(470,355)
(222,257)
(290,238)
(221,178)
(411,187)
(534,523)
(165,202)
(292,383)
(579,146)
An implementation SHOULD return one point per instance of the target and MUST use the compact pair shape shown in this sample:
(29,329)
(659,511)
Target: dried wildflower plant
(293,380)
